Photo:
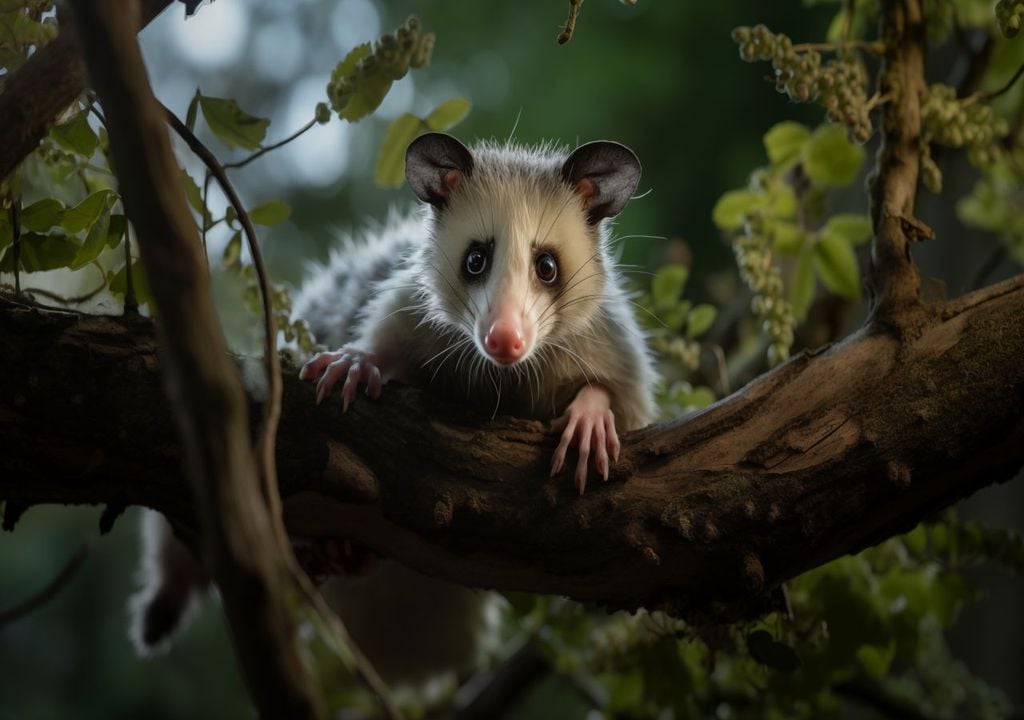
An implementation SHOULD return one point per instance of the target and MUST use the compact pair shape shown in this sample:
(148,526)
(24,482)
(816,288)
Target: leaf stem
(570,22)
(263,151)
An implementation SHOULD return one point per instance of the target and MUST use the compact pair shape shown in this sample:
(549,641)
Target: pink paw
(355,366)
(589,425)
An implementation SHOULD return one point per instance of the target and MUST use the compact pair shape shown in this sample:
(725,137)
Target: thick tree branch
(893,278)
(239,539)
(42,88)
(825,455)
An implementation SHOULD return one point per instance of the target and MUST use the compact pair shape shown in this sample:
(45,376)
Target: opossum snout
(504,341)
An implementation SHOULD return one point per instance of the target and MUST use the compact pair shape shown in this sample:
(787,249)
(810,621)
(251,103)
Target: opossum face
(516,262)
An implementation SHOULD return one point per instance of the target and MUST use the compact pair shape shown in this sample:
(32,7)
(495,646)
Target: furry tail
(172,578)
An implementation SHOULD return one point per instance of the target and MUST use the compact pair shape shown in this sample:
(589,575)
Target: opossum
(504,294)
(500,291)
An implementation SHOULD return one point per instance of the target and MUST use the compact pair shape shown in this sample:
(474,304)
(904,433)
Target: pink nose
(504,342)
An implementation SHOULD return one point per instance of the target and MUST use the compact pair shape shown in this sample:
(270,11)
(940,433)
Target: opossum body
(501,292)
(504,294)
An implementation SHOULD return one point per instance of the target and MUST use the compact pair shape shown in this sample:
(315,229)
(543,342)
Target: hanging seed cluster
(391,57)
(1010,16)
(837,85)
(966,123)
(753,253)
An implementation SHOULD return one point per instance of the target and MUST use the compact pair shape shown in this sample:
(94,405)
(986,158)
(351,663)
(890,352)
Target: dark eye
(476,261)
(547,268)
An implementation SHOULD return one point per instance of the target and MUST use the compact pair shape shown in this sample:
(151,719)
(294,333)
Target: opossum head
(516,262)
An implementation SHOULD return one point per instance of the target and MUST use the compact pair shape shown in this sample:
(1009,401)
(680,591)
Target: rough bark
(893,278)
(827,454)
(239,536)
(43,88)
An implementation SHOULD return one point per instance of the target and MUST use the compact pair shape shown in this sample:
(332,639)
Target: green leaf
(700,319)
(802,286)
(853,228)
(836,266)
(76,135)
(700,397)
(95,242)
(785,141)
(788,237)
(118,284)
(116,230)
(767,651)
(233,251)
(674,316)
(42,252)
(84,214)
(733,207)
(668,284)
(781,202)
(448,114)
(363,90)
(390,170)
(195,197)
(830,158)
(6,233)
(347,67)
(234,126)
(42,215)
(193,109)
(270,212)
(876,660)
(371,89)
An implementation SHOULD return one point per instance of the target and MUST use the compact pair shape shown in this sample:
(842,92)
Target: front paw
(356,366)
(589,425)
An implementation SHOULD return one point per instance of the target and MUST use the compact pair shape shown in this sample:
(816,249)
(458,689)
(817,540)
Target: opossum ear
(435,164)
(605,175)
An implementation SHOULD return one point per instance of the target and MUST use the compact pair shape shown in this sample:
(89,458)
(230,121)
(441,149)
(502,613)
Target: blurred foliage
(864,632)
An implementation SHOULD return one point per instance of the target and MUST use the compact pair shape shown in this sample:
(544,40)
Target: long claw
(583,464)
(613,437)
(373,385)
(563,445)
(600,450)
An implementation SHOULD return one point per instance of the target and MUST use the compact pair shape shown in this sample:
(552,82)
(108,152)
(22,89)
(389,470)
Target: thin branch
(50,591)
(272,408)
(986,95)
(263,151)
(893,278)
(570,22)
(272,412)
(253,569)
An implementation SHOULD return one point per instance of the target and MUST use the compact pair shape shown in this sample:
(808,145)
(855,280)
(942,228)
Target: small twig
(272,408)
(570,22)
(131,303)
(52,589)
(75,300)
(263,151)
(878,99)
(992,94)
(205,213)
(15,214)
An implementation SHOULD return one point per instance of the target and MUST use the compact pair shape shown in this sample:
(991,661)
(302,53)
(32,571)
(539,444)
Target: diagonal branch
(240,542)
(823,456)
